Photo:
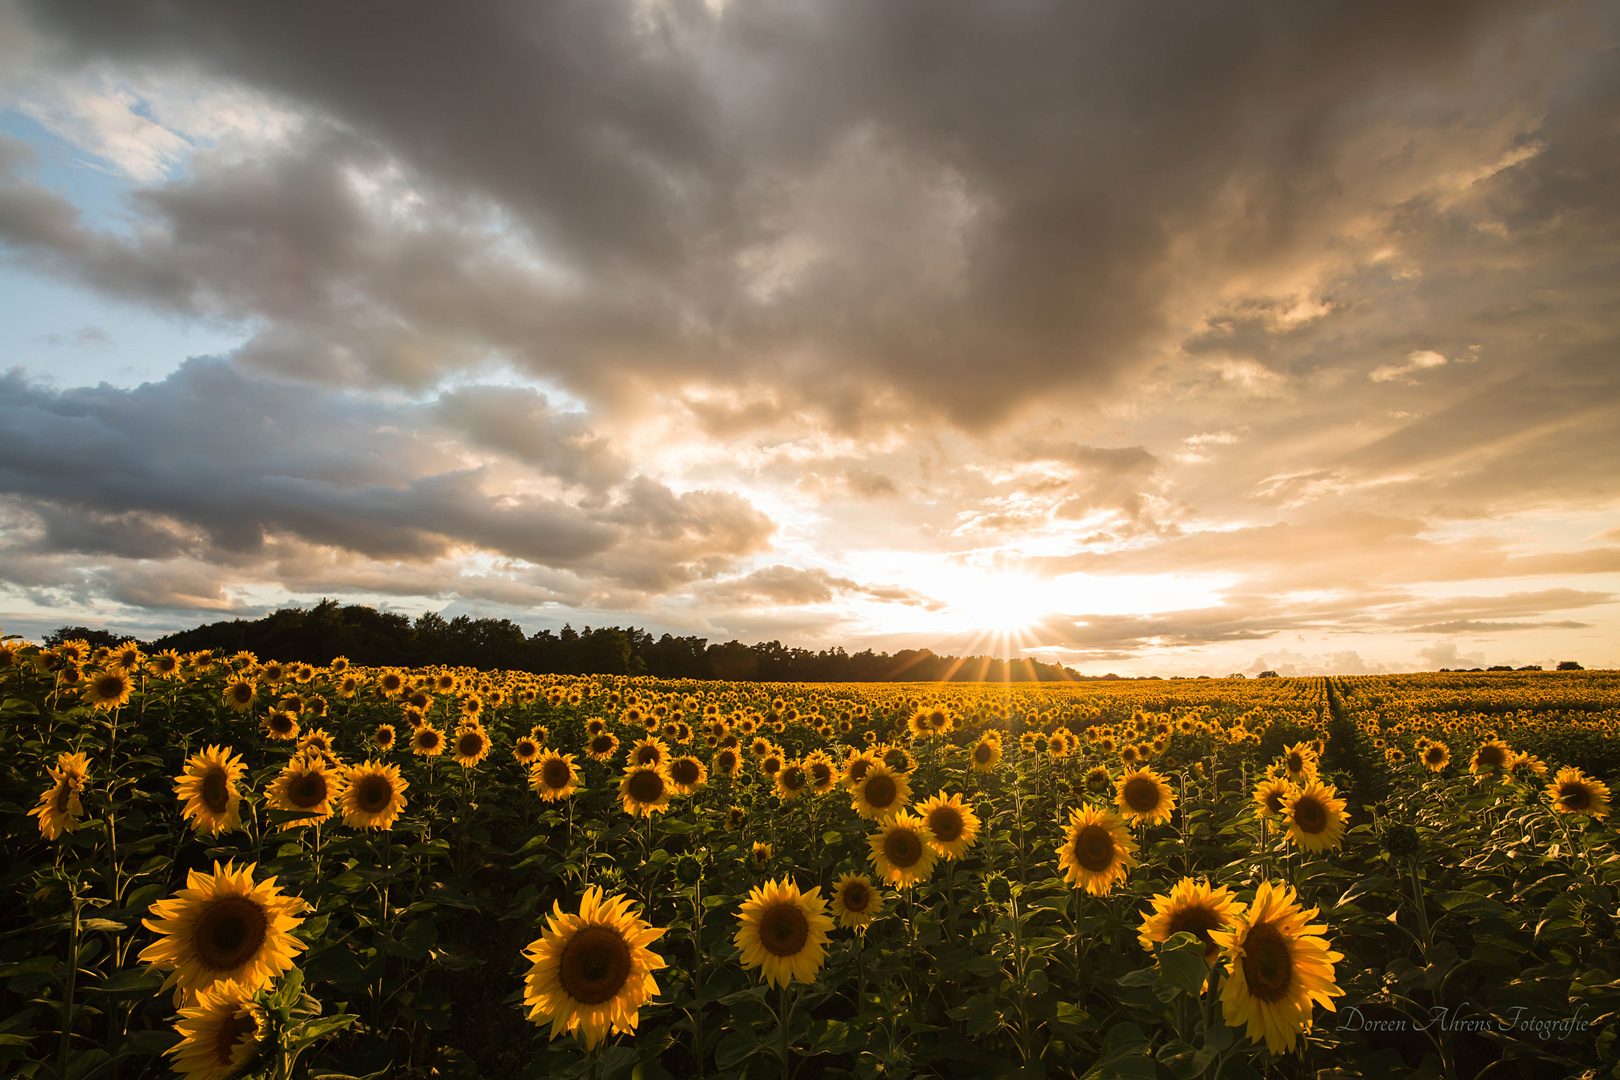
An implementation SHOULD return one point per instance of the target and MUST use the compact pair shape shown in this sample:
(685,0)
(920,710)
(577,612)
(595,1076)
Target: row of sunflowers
(242,867)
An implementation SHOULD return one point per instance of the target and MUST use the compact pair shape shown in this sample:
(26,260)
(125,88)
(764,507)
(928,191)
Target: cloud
(1415,361)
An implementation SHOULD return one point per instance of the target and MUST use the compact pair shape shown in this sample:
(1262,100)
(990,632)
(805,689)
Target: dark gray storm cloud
(967,205)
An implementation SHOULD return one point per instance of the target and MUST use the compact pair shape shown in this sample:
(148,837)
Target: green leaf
(1181,963)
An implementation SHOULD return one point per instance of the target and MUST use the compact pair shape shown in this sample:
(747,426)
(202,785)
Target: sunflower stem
(67,991)
(1420,904)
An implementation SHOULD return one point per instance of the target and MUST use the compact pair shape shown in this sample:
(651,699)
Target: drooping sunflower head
(687,774)
(953,824)
(735,818)
(60,808)
(1315,816)
(902,849)
(221,1031)
(881,792)
(1573,792)
(855,901)
(208,789)
(590,973)
(899,760)
(645,790)
(1097,780)
(224,927)
(783,932)
(1192,907)
(1277,968)
(374,795)
(554,776)
(316,739)
(1097,851)
(1145,797)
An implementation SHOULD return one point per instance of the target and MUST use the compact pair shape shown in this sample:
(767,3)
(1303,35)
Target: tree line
(388,639)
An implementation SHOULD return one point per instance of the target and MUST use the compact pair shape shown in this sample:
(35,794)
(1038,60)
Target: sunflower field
(225,865)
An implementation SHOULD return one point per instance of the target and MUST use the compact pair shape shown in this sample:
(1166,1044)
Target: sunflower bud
(688,870)
(998,888)
(1401,841)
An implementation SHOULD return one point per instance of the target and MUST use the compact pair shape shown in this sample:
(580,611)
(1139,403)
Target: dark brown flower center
(230,1033)
(1199,920)
(902,847)
(857,897)
(1274,800)
(793,778)
(1268,966)
(427,739)
(881,791)
(1094,848)
(602,744)
(241,693)
(858,769)
(646,786)
(684,771)
(63,797)
(1575,796)
(1296,762)
(946,822)
(1309,814)
(229,932)
(385,737)
(595,965)
(783,929)
(555,774)
(1434,755)
(307,790)
(771,765)
(1142,794)
(373,793)
(216,795)
(821,773)
(470,744)
(1491,757)
(727,761)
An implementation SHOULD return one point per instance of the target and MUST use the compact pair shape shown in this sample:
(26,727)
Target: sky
(1148,338)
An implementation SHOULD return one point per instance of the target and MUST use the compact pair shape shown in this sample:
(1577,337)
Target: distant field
(1384,876)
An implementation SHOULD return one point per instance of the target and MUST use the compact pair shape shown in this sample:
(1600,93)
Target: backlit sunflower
(986,754)
(687,774)
(855,901)
(1436,756)
(1315,816)
(1573,792)
(1277,967)
(592,972)
(603,746)
(1300,762)
(782,932)
(1494,756)
(306,786)
(1191,907)
(955,827)
(107,690)
(470,746)
(645,790)
(221,927)
(526,750)
(221,1032)
(373,796)
(881,792)
(1270,796)
(554,776)
(1145,798)
(427,741)
(902,849)
(208,787)
(1097,851)
(60,808)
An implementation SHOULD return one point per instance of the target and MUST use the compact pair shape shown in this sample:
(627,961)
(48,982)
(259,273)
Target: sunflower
(823,773)
(735,818)
(208,786)
(1492,757)
(782,932)
(1300,761)
(384,737)
(1436,756)
(1098,780)
(759,856)
(1190,906)
(954,826)
(855,901)
(165,664)
(1315,816)
(727,762)
(592,972)
(1129,755)
(281,725)
(60,808)
(220,1033)
(1270,796)
(108,690)
(306,786)
(881,792)
(687,774)
(373,796)
(525,750)
(792,780)
(649,752)
(986,754)
(427,741)
(645,789)
(316,739)
(898,759)
(222,926)
(470,747)
(772,763)
(1277,966)
(554,776)
(603,746)
(903,849)
(1573,792)
(1145,798)
(856,767)
(1097,851)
